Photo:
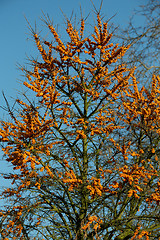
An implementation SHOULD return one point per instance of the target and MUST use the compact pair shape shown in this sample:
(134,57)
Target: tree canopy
(84,146)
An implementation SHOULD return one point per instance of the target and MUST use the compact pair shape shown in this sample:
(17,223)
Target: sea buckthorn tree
(84,146)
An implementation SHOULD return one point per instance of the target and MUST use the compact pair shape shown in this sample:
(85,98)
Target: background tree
(85,148)
(143,34)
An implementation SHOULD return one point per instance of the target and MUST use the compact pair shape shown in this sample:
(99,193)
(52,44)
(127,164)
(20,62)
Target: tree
(85,148)
(144,52)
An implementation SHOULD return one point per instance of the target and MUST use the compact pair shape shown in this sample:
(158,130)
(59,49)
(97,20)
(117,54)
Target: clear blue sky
(14,43)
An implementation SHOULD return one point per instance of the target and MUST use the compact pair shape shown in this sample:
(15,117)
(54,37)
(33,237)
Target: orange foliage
(87,149)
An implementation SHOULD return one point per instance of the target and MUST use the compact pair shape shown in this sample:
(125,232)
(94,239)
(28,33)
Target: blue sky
(15,40)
